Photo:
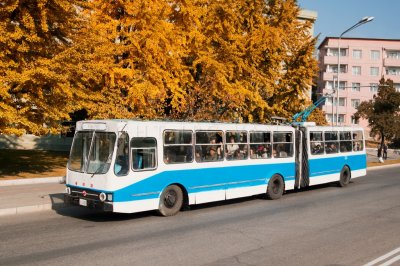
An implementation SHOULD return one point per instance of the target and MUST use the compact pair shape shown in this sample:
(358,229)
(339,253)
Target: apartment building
(363,62)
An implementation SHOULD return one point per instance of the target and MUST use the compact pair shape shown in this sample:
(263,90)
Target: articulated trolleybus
(130,166)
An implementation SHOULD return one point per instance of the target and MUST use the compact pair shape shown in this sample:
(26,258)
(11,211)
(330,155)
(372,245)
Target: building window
(356,70)
(334,52)
(373,87)
(355,103)
(329,118)
(342,101)
(334,68)
(355,86)
(393,54)
(397,86)
(393,71)
(328,101)
(375,54)
(330,85)
(357,54)
(355,120)
(374,71)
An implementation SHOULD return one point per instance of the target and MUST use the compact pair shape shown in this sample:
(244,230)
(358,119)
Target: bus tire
(171,201)
(345,176)
(275,188)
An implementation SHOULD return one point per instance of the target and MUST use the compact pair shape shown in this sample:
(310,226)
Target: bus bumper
(87,203)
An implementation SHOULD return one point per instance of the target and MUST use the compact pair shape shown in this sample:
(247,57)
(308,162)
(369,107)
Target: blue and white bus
(130,166)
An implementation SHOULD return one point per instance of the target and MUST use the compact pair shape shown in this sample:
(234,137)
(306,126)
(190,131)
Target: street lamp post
(362,21)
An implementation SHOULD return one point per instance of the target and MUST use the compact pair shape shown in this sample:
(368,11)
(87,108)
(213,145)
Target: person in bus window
(122,162)
(280,151)
(265,152)
(331,148)
(217,148)
(212,154)
(275,153)
(231,148)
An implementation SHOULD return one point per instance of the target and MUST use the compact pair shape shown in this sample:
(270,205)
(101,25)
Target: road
(325,225)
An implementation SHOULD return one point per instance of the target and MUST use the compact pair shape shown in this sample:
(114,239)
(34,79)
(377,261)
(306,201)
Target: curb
(30,181)
(25,209)
(372,168)
(31,209)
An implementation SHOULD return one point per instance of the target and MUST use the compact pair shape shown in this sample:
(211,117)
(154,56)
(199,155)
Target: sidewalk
(40,194)
(27,198)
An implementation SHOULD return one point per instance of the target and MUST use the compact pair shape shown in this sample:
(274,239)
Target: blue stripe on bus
(326,166)
(206,179)
(228,177)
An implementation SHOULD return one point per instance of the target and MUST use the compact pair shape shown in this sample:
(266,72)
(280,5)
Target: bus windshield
(91,152)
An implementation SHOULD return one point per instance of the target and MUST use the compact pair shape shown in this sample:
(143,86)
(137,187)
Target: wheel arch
(279,174)
(184,192)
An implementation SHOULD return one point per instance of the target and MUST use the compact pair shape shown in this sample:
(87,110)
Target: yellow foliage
(233,60)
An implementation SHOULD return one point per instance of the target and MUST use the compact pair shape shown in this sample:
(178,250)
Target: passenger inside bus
(212,154)
(121,166)
(231,148)
(216,147)
(331,148)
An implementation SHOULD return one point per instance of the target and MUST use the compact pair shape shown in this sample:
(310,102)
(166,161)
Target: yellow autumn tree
(224,60)
(233,60)
(141,59)
(34,95)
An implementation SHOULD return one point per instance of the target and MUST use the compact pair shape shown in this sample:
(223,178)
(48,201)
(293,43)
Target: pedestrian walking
(380,154)
(385,148)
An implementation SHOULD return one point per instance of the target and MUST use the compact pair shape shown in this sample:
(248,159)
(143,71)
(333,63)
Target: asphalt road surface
(325,225)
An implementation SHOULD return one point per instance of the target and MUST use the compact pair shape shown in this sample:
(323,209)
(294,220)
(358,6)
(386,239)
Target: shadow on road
(100,216)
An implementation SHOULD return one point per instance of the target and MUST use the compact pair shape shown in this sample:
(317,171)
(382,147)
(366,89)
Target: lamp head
(366,19)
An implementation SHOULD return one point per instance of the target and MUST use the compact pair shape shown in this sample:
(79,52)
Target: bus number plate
(83,202)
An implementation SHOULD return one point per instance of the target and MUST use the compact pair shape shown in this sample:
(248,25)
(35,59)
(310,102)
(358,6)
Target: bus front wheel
(345,176)
(275,187)
(171,201)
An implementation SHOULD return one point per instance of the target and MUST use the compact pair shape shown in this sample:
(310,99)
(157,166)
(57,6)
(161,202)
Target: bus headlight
(68,190)
(102,196)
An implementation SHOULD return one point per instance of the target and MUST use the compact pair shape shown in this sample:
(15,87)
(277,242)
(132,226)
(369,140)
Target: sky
(336,16)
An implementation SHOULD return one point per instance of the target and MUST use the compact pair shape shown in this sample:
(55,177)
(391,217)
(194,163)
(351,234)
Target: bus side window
(358,141)
(209,146)
(178,147)
(283,144)
(121,166)
(236,147)
(316,143)
(345,141)
(260,145)
(144,151)
(331,141)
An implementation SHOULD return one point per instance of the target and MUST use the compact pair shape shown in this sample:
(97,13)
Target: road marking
(391,261)
(384,257)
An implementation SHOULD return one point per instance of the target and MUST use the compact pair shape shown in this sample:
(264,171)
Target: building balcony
(328,76)
(391,62)
(332,60)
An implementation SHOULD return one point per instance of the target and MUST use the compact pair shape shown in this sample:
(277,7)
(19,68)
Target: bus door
(302,167)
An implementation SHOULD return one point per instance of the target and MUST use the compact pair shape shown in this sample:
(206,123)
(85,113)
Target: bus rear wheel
(275,187)
(345,176)
(171,201)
